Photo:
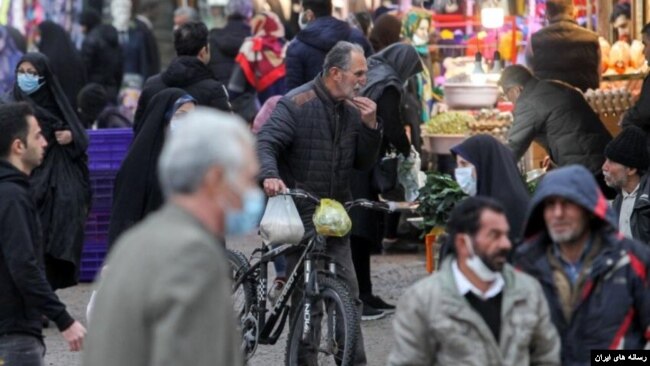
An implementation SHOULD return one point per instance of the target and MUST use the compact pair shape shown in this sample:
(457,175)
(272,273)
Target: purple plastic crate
(110,136)
(107,148)
(96,229)
(92,259)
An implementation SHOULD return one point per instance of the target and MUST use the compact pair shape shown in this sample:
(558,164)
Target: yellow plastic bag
(331,219)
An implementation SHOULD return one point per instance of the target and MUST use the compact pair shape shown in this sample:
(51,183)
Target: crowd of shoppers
(334,100)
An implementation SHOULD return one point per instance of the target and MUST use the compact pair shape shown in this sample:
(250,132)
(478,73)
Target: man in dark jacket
(101,54)
(225,42)
(317,134)
(557,117)
(639,114)
(188,71)
(306,53)
(625,170)
(565,51)
(595,281)
(26,294)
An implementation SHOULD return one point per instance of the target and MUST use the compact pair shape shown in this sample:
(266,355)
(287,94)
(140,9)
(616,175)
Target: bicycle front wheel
(333,322)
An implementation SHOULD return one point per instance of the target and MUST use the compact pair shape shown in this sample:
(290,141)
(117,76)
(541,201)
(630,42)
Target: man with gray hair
(185,14)
(316,135)
(165,297)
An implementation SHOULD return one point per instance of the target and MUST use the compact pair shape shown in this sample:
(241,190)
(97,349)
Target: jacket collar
(562,18)
(9,173)
(324,94)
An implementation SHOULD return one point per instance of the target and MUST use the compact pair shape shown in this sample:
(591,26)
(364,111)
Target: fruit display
(610,102)
(492,122)
(621,57)
(449,123)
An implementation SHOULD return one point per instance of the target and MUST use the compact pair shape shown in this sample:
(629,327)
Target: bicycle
(325,296)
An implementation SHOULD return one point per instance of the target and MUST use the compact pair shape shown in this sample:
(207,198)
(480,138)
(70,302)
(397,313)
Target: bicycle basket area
(331,219)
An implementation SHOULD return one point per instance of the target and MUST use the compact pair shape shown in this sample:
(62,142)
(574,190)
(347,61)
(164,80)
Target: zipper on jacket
(335,149)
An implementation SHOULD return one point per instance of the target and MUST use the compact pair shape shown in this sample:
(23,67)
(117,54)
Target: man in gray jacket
(165,297)
(477,310)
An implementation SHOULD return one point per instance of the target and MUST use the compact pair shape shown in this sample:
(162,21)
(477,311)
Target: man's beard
(615,183)
(570,236)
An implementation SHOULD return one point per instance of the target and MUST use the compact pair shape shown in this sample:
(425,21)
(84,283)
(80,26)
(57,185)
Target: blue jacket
(306,53)
(613,309)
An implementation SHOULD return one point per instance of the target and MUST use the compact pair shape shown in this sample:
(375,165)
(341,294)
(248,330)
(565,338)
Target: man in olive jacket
(476,310)
(317,134)
(556,116)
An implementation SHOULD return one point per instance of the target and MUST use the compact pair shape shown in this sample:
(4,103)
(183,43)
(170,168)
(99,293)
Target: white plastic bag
(410,176)
(281,223)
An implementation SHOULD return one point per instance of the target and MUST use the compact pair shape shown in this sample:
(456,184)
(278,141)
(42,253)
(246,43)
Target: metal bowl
(470,96)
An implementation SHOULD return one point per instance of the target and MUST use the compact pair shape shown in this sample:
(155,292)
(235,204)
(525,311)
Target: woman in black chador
(60,186)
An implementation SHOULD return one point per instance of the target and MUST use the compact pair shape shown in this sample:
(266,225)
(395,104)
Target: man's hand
(368,110)
(63,137)
(274,186)
(75,335)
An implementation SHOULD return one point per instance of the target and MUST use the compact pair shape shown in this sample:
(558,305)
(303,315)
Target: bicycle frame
(280,310)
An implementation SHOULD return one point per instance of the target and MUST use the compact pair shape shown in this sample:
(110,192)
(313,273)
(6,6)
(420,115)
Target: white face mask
(302,22)
(418,41)
(466,180)
(476,264)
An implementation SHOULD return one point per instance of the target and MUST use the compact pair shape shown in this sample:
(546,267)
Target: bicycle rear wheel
(332,338)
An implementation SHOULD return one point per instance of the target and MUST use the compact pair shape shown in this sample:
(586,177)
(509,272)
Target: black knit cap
(629,148)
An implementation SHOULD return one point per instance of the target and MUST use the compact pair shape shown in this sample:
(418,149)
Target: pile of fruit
(449,123)
(621,57)
(492,122)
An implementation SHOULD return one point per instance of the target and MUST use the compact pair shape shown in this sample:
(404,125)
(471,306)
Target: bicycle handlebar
(379,206)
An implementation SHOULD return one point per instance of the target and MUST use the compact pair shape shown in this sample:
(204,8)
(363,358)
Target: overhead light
(492,17)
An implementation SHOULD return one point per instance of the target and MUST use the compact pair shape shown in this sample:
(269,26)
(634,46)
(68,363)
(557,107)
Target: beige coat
(435,325)
(165,299)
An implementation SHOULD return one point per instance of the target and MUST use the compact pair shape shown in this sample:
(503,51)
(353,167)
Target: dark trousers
(361,249)
(21,350)
(339,250)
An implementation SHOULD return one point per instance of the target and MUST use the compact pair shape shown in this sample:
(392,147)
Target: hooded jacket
(306,53)
(564,124)
(26,295)
(102,56)
(224,47)
(497,177)
(611,307)
(187,73)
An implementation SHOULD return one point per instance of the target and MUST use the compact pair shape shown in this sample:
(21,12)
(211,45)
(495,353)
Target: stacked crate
(106,151)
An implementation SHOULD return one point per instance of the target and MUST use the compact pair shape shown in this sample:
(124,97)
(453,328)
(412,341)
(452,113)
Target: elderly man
(317,134)
(565,51)
(625,170)
(557,117)
(595,281)
(25,292)
(472,311)
(165,297)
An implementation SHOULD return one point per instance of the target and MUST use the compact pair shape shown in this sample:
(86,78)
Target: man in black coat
(25,292)
(101,54)
(316,135)
(225,42)
(565,51)
(188,71)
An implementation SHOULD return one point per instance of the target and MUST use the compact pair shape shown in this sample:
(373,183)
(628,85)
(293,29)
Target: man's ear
(632,171)
(17,147)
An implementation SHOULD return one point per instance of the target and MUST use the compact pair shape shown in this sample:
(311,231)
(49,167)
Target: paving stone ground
(391,275)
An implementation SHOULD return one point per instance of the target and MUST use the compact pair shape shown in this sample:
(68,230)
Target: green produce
(449,123)
(437,198)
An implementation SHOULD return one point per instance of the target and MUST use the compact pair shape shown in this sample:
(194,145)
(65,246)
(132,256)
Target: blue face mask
(29,83)
(248,218)
(465,180)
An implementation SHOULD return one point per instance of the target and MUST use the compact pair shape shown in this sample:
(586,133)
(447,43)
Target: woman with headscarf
(9,56)
(65,60)
(261,57)
(486,167)
(388,70)
(137,191)
(385,32)
(416,27)
(61,185)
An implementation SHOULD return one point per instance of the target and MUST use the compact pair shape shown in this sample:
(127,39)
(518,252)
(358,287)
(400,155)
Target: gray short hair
(340,56)
(188,11)
(205,138)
